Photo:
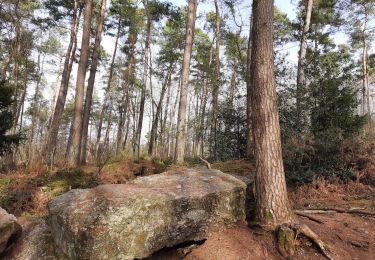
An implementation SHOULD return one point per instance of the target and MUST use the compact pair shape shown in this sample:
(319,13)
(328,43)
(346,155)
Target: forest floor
(351,236)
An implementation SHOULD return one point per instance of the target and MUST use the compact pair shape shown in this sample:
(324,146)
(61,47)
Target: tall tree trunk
(216,85)
(366,93)
(123,114)
(271,201)
(109,83)
(91,81)
(75,151)
(301,81)
(21,101)
(190,29)
(144,80)
(52,134)
(35,108)
(163,127)
(56,89)
(249,134)
(232,86)
(159,110)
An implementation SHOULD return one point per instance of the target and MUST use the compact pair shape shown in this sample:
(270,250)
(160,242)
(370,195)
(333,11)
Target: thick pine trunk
(301,81)
(190,29)
(75,150)
(271,199)
(91,81)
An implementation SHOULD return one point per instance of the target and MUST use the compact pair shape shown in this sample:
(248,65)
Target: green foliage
(333,95)
(231,133)
(332,104)
(282,27)
(173,38)
(7,141)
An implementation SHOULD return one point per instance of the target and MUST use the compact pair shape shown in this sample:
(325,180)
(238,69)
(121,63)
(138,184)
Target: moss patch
(285,241)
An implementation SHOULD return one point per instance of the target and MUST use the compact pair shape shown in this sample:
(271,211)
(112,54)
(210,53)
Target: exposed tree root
(206,162)
(307,232)
(286,241)
(287,234)
(336,210)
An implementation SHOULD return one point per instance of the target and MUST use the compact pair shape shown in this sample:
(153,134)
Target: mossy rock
(127,221)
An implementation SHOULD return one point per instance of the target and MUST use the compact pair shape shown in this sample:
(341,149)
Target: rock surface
(35,243)
(8,228)
(127,221)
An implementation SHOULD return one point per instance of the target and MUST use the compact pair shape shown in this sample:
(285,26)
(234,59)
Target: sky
(285,6)
(244,8)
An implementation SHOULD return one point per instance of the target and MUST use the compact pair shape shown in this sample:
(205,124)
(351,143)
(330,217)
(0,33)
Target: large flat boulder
(9,228)
(127,221)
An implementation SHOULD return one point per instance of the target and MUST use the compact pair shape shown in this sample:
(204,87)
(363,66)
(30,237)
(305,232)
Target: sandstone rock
(35,243)
(8,228)
(127,221)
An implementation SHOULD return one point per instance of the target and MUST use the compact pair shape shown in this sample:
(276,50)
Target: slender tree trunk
(56,90)
(91,81)
(109,83)
(21,101)
(35,108)
(163,128)
(190,29)
(123,115)
(52,134)
(249,134)
(144,81)
(301,81)
(366,93)
(232,86)
(271,201)
(216,85)
(75,151)
(120,126)
(159,110)
(366,85)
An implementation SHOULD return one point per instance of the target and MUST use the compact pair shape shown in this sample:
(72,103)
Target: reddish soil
(350,237)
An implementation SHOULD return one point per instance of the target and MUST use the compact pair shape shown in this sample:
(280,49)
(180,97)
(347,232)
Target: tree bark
(190,29)
(271,201)
(216,86)
(144,80)
(75,151)
(35,107)
(91,81)
(366,93)
(301,81)
(63,90)
(249,136)
(109,83)
(159,110)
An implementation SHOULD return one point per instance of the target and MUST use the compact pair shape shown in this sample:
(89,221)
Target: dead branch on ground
(206,162)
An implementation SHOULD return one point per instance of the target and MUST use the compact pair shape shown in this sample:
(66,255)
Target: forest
(249,121)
